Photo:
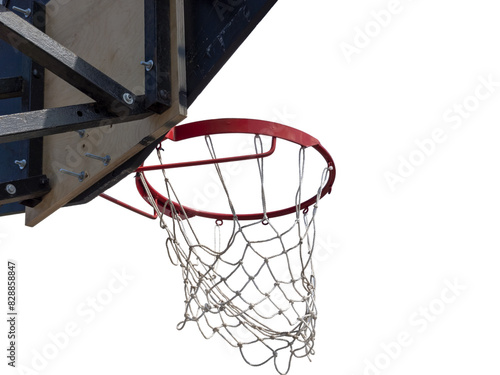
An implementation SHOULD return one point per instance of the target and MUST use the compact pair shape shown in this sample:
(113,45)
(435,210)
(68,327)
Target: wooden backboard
(110,36)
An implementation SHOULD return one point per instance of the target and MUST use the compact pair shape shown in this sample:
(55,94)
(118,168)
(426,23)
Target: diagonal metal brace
(58,59)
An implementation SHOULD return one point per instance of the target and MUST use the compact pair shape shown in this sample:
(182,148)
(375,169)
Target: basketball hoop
(225,126)
(258,294)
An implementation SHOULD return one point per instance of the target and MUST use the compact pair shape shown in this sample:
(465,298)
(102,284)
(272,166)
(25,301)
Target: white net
(255,287)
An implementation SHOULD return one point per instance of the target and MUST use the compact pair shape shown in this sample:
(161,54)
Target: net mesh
(256,290)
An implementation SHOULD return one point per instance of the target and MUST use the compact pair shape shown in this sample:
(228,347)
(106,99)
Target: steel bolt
(21,163)
(80,176)
(11,189)
(106,159)
(26,12)
(148,65)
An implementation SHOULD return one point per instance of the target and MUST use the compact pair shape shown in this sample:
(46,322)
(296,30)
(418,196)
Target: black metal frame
(113,102)
(38,46)
(22,89)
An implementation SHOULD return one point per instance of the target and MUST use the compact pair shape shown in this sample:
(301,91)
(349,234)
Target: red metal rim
(224,126)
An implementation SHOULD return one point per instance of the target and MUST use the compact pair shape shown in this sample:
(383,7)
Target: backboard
(94,113)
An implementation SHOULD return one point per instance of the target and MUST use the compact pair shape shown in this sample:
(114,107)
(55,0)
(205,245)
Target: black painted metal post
(157,55)
(21,90)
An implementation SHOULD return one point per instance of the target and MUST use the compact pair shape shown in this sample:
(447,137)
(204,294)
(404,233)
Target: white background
(389,252)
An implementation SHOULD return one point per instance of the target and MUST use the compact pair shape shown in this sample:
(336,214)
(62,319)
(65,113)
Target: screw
(106,159)
(148,65)
(81,133)
(80,176)
(128,98)
(21,163)
(36,73)
(11,189)
(26,12)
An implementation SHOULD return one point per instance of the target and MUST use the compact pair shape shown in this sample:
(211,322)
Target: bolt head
(11,189)
(148,65)
(128,98)
(21,164)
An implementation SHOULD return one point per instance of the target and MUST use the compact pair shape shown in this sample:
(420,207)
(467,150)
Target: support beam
(53,56)
(11,87)
(51,121)
(28,189)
